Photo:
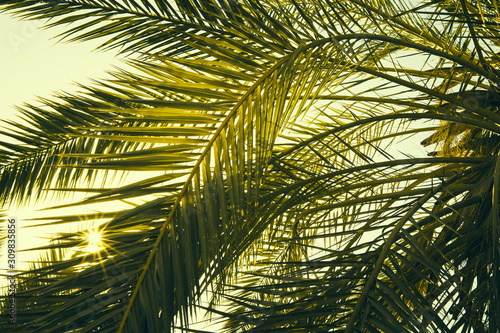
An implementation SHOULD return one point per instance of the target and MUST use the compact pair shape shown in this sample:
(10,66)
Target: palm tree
(269,124)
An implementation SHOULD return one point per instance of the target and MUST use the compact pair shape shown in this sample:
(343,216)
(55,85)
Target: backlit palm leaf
(304,224)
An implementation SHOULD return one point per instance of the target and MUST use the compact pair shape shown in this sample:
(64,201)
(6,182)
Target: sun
(94,241)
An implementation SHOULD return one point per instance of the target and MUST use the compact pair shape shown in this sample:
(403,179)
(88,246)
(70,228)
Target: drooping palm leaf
(216,177)
(403,255)
(218,84)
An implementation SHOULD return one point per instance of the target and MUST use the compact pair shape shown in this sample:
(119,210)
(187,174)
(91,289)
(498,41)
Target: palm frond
(269,125)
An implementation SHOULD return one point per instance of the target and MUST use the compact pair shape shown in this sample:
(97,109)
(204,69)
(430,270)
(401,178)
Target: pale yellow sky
(32,64)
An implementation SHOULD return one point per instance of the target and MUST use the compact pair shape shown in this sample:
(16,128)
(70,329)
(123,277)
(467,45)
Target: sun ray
(94,241)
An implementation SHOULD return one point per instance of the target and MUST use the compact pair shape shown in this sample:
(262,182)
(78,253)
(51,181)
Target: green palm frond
(323,270)
(268,126)
(149,28)
(233,133)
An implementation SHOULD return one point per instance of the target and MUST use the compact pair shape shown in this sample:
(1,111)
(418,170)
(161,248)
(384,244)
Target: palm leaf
(334,232)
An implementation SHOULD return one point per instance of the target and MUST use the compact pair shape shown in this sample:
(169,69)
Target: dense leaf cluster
(276,192)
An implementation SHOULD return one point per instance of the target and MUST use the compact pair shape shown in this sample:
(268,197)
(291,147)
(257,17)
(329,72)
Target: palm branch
(268,124)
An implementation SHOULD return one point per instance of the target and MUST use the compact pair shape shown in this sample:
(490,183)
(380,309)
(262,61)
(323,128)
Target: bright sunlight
(94,241)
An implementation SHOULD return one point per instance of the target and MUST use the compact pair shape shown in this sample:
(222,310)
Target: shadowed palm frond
(269,126)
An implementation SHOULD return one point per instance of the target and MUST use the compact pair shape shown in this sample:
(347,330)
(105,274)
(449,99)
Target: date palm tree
(276,193)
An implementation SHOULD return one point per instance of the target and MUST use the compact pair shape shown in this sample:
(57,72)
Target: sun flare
(94,241)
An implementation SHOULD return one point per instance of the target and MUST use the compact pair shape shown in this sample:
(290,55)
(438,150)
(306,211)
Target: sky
(33,64)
